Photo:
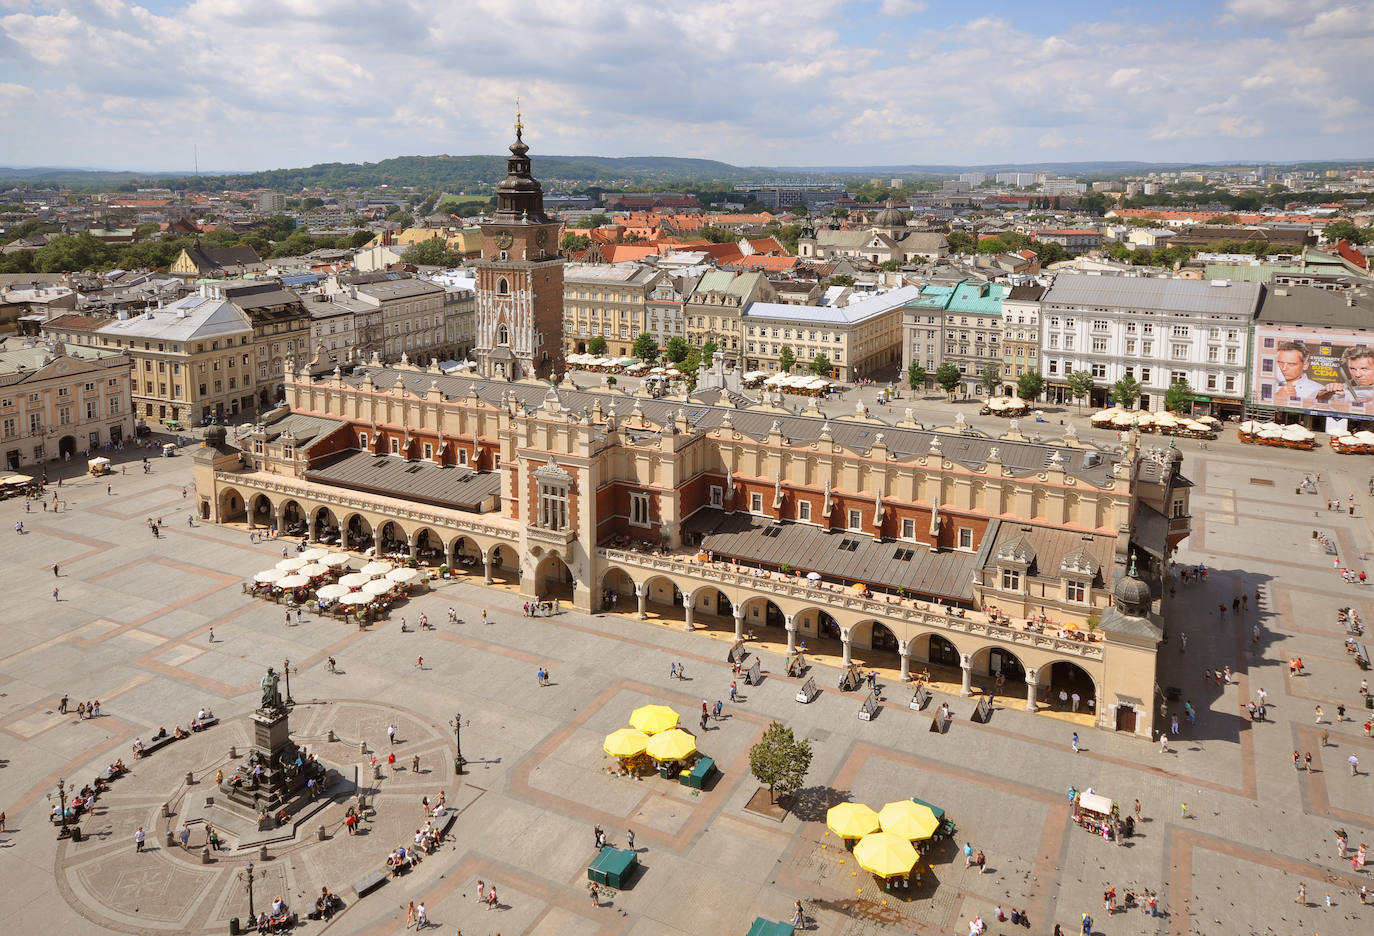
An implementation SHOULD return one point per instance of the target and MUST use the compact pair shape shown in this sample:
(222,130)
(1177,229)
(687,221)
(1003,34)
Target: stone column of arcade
(642,597)
(789,621)
(1032,685)
(739,623)
(966,665)
(844,640)
(904,652)
(687,615)
(486,566)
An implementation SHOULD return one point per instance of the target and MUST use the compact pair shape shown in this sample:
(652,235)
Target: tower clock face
(504,240)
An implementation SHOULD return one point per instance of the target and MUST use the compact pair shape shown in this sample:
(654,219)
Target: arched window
(502,333)
(502,287)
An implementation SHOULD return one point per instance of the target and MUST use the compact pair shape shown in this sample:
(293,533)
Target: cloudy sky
(259,84)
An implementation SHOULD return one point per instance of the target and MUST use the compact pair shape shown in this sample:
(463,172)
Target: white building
(1157,330)
(61,401)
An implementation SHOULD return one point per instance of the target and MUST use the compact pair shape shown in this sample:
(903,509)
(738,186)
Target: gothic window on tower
(502,287)
(502,333)
(553,506)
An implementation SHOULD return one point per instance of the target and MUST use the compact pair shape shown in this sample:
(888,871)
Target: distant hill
(426,172)
(460,173)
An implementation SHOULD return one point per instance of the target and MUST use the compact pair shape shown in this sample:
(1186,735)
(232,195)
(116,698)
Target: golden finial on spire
(518,125)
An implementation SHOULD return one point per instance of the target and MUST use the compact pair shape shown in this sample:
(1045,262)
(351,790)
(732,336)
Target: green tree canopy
(596,220)
(431,252)
(1126,391)
(708,352)
(678,349)
(820,366)
(597,345)
(646,348)
(1080,385)
(780,761)
(575,242)
(786,359)
(916,376)
(947,376)
(1030,385)
(1179,397)
(990,377)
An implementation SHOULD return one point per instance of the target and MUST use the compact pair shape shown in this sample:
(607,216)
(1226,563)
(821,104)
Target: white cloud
(266,83)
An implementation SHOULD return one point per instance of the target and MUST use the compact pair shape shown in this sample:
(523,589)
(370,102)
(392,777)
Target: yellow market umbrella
(885,854)
(626,742)
(911,821)
(651,719)
(674,744)
(851,820)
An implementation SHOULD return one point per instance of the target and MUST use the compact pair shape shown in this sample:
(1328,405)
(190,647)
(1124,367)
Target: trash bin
(1369,701)
(233,926)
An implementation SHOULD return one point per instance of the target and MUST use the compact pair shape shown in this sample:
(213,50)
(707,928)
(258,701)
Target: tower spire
(519,126)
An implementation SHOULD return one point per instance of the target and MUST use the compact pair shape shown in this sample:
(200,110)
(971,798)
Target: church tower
(519,315)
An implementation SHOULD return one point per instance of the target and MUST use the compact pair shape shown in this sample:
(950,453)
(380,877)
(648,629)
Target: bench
(208,723)
(151,746)
(699,775)
(370,882)
(335,905)
(450,817)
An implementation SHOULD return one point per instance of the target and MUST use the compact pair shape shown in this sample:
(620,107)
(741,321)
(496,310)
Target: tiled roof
(968,448)
(850,557)
(443,486)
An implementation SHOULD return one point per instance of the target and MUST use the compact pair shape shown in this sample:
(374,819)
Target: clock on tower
(519,315)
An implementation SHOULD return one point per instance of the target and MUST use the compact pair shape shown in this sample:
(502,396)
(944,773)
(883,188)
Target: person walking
(185,836)
(212,635)
(1307,762)
(421,916)
(595,894)
(1074,743)
(415,764)
(1325,735)
(55,594)
(62,706)
(1297,760)
(139,836)
(1164,744)
(1354,763)
(54,571)
(391,733)
(1317,711)
(1302,895)
(1137,810)
(630,839)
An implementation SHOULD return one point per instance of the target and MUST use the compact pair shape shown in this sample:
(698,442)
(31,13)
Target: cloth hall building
(887,543)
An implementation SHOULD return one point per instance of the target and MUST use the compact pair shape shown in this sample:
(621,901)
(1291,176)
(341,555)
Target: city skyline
(256,85)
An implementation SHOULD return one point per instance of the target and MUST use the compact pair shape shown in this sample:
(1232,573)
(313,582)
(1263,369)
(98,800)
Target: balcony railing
(901,609)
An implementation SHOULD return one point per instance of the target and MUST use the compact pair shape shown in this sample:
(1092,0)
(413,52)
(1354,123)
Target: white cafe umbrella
(378,587)
(293,581)
(814,576)
(336,560)
(355,600)
(292,564)
(330,592)
(376,568)
(313,570)
(355,580)
(269,575)
(315,554)
(403,575)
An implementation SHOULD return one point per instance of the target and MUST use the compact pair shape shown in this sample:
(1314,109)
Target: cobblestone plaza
(131,627)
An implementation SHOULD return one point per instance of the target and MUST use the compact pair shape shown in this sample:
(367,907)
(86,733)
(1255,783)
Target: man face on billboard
(1361,365)
(1291,363)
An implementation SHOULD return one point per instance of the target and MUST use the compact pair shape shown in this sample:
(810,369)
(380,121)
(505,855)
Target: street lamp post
(62,805)
(286,669)
(247,876)
(458,743)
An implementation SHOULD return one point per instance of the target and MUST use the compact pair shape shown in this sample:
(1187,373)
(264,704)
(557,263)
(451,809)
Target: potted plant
(443,571)
(413,563)
(785,569)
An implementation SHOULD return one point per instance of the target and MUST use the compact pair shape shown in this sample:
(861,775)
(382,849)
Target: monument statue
(271,698)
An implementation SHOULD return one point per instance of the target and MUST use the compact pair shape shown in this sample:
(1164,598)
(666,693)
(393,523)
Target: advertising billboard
(1314,370)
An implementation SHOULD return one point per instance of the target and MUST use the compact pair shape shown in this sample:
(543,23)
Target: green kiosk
(764,927)
(612,867)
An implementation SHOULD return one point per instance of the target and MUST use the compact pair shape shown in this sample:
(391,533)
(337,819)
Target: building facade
(962,321)
(60,400)
(1020,333)
(1154,330)
(715,521)
(713,311)
(606,301)
(858,338)
(191,359)
(519,301)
